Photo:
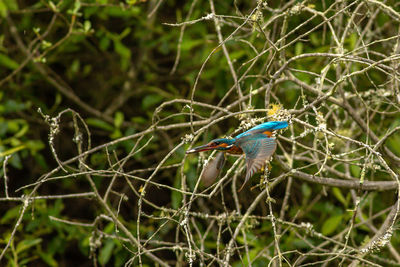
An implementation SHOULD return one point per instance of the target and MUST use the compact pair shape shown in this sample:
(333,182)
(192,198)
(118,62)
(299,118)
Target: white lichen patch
(187,138)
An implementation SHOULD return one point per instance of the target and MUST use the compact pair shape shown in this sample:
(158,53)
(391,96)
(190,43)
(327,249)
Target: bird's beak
(200,148)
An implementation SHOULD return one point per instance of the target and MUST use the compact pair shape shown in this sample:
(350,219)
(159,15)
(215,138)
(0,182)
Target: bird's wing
(258,148)
(213,169)
(264,127)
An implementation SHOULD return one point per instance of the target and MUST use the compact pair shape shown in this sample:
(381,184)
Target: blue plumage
(266,126)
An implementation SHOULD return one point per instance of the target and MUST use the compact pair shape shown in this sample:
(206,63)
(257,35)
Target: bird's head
(216,144)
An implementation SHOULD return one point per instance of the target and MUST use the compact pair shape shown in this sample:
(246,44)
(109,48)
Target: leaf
(122,50)
(106,252)
(124,33)
(352,40)
(22,131)
(338,194)
(34,145)
(40,161)
(331,224)
(139,120)
(116,134)
(189,44)
(11,4)
(12,150)
(13,126)
(104,43)
(151,100)
(27,243)
(306,190)
(12,106)
(300,244)
(3,9)
(116,11)
(98,159)
(298,48)
(3,128)
(237,54)
(77,6)
(87,25)
(6,5)
(118,119)
(15,161)
(176,197)
(11,214)
(394,143)
(355,170)
(5,60)
(362,226)
(48,258)
(14,141)
(110,228)
(99,124)
(315,39)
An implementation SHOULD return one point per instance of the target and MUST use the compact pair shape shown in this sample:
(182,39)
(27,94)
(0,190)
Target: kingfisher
(258,144)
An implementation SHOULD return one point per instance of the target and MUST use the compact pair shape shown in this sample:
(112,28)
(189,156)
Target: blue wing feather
(258,148)
(266,126)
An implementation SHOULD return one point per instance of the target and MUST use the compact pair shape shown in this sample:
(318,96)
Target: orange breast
(235,150)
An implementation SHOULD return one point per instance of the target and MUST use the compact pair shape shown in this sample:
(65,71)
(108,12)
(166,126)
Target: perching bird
(258,144)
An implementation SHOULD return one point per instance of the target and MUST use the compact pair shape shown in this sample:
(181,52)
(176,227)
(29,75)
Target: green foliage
(331,224)
(14,133)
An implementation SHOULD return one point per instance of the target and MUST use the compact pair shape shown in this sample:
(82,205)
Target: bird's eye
(217,143)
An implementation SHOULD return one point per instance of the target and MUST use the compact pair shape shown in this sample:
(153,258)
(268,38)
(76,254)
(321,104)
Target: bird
(258,144)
